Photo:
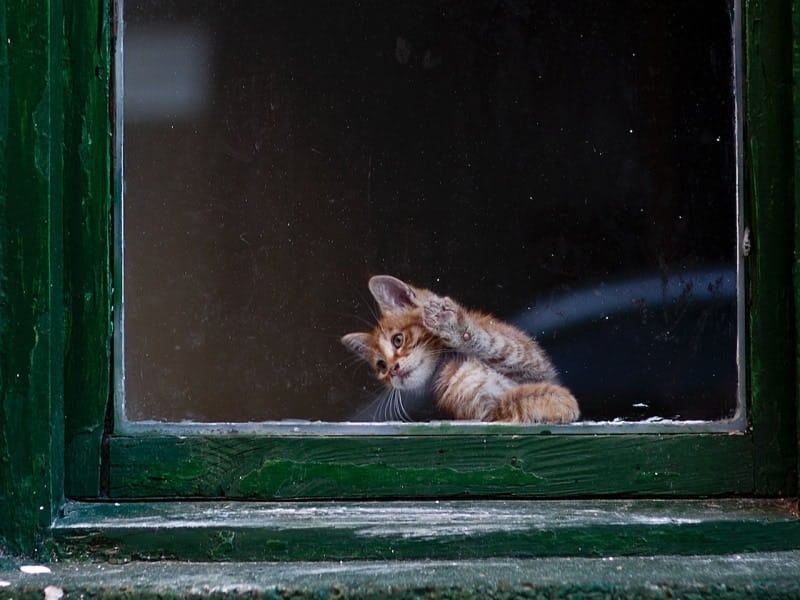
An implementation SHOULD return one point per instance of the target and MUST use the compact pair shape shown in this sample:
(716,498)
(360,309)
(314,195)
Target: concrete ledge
(772,575)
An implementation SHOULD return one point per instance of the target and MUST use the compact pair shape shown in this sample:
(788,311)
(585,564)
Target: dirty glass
(569,166)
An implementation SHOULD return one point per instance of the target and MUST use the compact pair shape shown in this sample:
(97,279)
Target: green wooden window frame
(61,462)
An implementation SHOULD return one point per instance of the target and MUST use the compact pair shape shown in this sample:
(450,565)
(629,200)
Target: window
(58,190)
(298,459)
(570,169)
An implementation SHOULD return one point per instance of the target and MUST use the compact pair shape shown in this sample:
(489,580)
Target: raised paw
(440,316)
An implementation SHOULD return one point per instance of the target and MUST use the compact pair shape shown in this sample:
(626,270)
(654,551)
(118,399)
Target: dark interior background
(511,154)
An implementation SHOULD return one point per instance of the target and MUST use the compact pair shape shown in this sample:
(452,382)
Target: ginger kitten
(474,366)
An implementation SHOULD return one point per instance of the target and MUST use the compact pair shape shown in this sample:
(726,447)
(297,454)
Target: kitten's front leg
(503,347)
(446,320)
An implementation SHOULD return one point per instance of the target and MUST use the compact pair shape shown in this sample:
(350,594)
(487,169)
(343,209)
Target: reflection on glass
(568,166)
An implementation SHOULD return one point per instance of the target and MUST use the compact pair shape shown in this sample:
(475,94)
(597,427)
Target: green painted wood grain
(770,211)
(54,235)
(87,242)
(464,529)
(429,467)
(31,291)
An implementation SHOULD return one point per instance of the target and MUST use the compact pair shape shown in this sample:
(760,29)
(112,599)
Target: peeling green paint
(657,476)
(40,122)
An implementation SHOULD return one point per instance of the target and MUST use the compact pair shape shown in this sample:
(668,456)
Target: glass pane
(569,167)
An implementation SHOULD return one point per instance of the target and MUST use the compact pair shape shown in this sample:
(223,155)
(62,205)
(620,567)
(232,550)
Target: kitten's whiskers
(401,412)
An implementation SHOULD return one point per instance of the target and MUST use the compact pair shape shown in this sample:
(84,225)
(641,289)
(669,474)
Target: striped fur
(476,367)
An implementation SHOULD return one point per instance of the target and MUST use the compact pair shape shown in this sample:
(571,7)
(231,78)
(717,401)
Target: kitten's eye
(397,340)
(381,365)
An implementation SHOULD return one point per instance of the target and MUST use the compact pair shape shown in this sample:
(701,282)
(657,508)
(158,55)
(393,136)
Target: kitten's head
(403,354)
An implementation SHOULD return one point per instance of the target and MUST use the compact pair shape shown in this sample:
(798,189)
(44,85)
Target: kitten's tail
(537,403)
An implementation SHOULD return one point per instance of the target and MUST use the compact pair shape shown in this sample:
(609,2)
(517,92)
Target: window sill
(715,576)
(441,530)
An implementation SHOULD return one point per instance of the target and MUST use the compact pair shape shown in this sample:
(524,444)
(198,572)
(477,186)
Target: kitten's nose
(396,367)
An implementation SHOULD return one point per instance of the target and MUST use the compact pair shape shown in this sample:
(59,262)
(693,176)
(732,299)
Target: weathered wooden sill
(442,530)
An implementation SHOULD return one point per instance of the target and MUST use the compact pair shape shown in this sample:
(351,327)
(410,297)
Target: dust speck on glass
(570,167)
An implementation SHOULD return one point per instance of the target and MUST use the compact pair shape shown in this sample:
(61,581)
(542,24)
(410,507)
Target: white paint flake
(35,569)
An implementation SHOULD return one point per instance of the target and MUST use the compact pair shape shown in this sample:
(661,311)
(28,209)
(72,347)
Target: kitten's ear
(392,294)
(358,343)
